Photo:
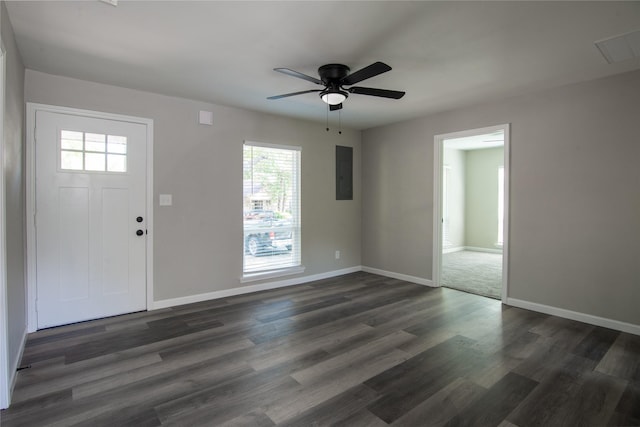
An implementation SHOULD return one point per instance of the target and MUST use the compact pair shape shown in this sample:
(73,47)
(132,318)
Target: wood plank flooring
(356,350)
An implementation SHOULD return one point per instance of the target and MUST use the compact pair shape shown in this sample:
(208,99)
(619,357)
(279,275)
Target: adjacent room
(473,200)
(267,213)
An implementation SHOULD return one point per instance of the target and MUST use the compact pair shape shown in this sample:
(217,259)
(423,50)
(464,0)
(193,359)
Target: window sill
(261,275)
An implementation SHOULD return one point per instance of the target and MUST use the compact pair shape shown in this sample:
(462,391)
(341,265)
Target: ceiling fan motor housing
(332,74)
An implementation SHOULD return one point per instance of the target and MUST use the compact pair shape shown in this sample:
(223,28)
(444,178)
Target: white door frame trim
(5,378)
(437,200)
(32,109)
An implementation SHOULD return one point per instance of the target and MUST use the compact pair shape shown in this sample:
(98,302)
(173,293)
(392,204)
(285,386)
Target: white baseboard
(283,283)
(574,315)
(452,250)
(13,369)
(487,250)
(399,276)
(252,288)
(472,249)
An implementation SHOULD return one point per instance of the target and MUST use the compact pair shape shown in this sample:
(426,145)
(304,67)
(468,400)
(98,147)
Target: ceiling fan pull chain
(340,122)
(327,117)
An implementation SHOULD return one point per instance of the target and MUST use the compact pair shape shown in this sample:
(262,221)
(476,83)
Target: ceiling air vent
(620,48)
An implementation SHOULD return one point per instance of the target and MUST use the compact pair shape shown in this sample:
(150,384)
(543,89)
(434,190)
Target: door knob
(139,219)
(139,232)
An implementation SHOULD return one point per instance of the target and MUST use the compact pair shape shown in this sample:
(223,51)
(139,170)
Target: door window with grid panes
(92,152)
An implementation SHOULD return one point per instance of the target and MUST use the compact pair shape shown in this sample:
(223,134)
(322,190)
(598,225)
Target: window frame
(296,267)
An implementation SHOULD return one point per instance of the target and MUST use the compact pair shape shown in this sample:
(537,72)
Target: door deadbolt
(139,219)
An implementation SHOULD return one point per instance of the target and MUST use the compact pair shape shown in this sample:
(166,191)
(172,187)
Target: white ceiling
(444,54)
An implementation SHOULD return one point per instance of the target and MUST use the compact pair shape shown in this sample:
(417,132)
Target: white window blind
(271,204)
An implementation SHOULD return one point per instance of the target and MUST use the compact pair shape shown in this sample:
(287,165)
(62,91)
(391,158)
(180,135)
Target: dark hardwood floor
(357,350)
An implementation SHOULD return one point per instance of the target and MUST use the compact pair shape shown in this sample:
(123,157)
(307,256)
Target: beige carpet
(475,272)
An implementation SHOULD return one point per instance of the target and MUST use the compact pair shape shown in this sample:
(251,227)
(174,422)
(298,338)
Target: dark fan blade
(366,73)
(298,75)
(335,107)
(376,92)
(293,94)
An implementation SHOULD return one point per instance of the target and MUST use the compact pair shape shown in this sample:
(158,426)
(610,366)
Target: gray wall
(481,197)
(198,240)
(14,190)
(575,199)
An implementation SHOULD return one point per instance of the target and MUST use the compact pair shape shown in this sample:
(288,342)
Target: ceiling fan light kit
(335,76)
(333,97)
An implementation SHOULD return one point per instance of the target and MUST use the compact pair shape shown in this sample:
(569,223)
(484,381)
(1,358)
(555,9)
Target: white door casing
(6,374)
(87,260)
(438,170)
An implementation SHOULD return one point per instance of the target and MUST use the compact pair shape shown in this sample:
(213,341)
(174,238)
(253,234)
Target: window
(94,152)
(500,206)
(271,181)
(446,209)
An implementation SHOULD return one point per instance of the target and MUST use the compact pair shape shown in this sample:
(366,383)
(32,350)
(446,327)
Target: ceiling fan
(335,76)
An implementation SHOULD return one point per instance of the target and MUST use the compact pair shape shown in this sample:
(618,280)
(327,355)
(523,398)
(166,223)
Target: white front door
(90,218)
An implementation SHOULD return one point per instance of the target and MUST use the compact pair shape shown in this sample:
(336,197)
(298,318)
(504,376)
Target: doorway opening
(471,211)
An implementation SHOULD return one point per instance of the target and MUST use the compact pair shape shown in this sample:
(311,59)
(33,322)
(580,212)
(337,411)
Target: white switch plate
(205,117)
(166,200)
(337,254)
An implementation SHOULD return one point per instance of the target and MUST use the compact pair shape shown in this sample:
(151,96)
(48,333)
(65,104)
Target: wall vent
(620,48)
